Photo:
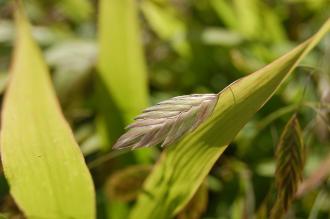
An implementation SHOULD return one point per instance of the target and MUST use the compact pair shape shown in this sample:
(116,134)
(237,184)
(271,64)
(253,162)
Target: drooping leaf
(42,162)
(183,166)
(290,159)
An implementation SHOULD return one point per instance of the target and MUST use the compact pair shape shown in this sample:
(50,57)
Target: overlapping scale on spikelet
(167,121)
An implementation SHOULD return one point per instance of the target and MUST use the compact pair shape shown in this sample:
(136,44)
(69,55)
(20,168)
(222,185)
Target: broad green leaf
(122,73)
(183,166)
(42,162)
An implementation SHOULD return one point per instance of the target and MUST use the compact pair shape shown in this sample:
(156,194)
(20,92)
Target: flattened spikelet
(167,121)
(290,156)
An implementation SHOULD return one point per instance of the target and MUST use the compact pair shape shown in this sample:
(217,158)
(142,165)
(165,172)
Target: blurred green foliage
(191,46)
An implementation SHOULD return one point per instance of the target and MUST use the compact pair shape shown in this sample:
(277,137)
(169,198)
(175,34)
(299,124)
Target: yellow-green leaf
(42,162)
(183,166)
(122,74)
(121,61)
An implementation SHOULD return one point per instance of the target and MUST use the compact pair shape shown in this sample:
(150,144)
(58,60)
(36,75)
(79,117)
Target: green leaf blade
(42,162)
(183,166)
(122,77)
(121,61)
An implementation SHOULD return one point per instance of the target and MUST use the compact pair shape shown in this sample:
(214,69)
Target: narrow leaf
(121,67)
(183,166)
(121,61)
(42,162)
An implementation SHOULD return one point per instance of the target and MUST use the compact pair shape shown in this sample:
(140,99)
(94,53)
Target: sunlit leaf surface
(183,166)
(122,85)
(42,162)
